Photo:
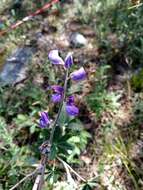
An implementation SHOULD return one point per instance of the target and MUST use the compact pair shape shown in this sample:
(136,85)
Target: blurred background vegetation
(105,142)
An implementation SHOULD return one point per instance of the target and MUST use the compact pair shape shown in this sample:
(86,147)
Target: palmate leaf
(64,147)
(87,187)
(90,185)
(60,145)
(53,175)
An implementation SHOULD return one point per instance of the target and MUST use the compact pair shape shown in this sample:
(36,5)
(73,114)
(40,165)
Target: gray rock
(77,40)
(14,70)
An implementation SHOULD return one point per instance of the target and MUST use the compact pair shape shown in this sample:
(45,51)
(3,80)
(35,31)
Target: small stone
(77,40)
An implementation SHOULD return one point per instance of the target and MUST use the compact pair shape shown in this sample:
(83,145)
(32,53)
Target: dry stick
(39,179)
(64,163)
(136,6)
(22,180)
(69,176)
(27,18)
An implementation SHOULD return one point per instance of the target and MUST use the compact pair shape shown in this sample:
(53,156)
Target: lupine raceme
(58,91)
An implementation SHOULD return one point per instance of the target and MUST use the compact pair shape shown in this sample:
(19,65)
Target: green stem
(41,176)
(60,108)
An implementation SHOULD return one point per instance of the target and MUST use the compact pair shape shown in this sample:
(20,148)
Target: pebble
(77,40)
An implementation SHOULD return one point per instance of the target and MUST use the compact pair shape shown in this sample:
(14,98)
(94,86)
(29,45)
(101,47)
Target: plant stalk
(60,108)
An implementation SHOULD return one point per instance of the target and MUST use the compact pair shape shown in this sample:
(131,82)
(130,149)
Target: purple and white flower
(44,120)
(55,58)
(69,60)
(57,88)
(56,98)
(71,109)
(78,74)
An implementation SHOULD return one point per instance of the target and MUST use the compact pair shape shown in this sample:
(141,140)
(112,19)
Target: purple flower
(55,58)
(56,98)
(57,88)
(44,120)
(78,75)
(72,110)
(70,100)
(68,60)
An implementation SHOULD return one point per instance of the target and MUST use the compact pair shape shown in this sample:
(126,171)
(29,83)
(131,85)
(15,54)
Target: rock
(14,70)
(77,40)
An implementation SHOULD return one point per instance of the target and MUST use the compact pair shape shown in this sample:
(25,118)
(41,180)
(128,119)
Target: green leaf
(75,139)
(53,152)
(76,88)
(75,124)
(57,133)
(64,117)
(32,129)
(87,187)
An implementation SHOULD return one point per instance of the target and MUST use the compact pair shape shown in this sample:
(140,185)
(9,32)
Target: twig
(69,177)
(37,181)
(136,6)
(40,178)
(27,18)
(72,170)
(22,180)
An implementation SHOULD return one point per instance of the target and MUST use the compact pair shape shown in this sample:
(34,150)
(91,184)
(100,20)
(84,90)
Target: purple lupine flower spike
(56,98)
(68,60)
(55,58)
(78,75)
(44,120)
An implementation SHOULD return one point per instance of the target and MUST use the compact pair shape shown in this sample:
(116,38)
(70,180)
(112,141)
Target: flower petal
(55,58)
(68,60)
(56,98)
(72,110)
(44,120)
(57,88)
(70,100)
(78,75)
